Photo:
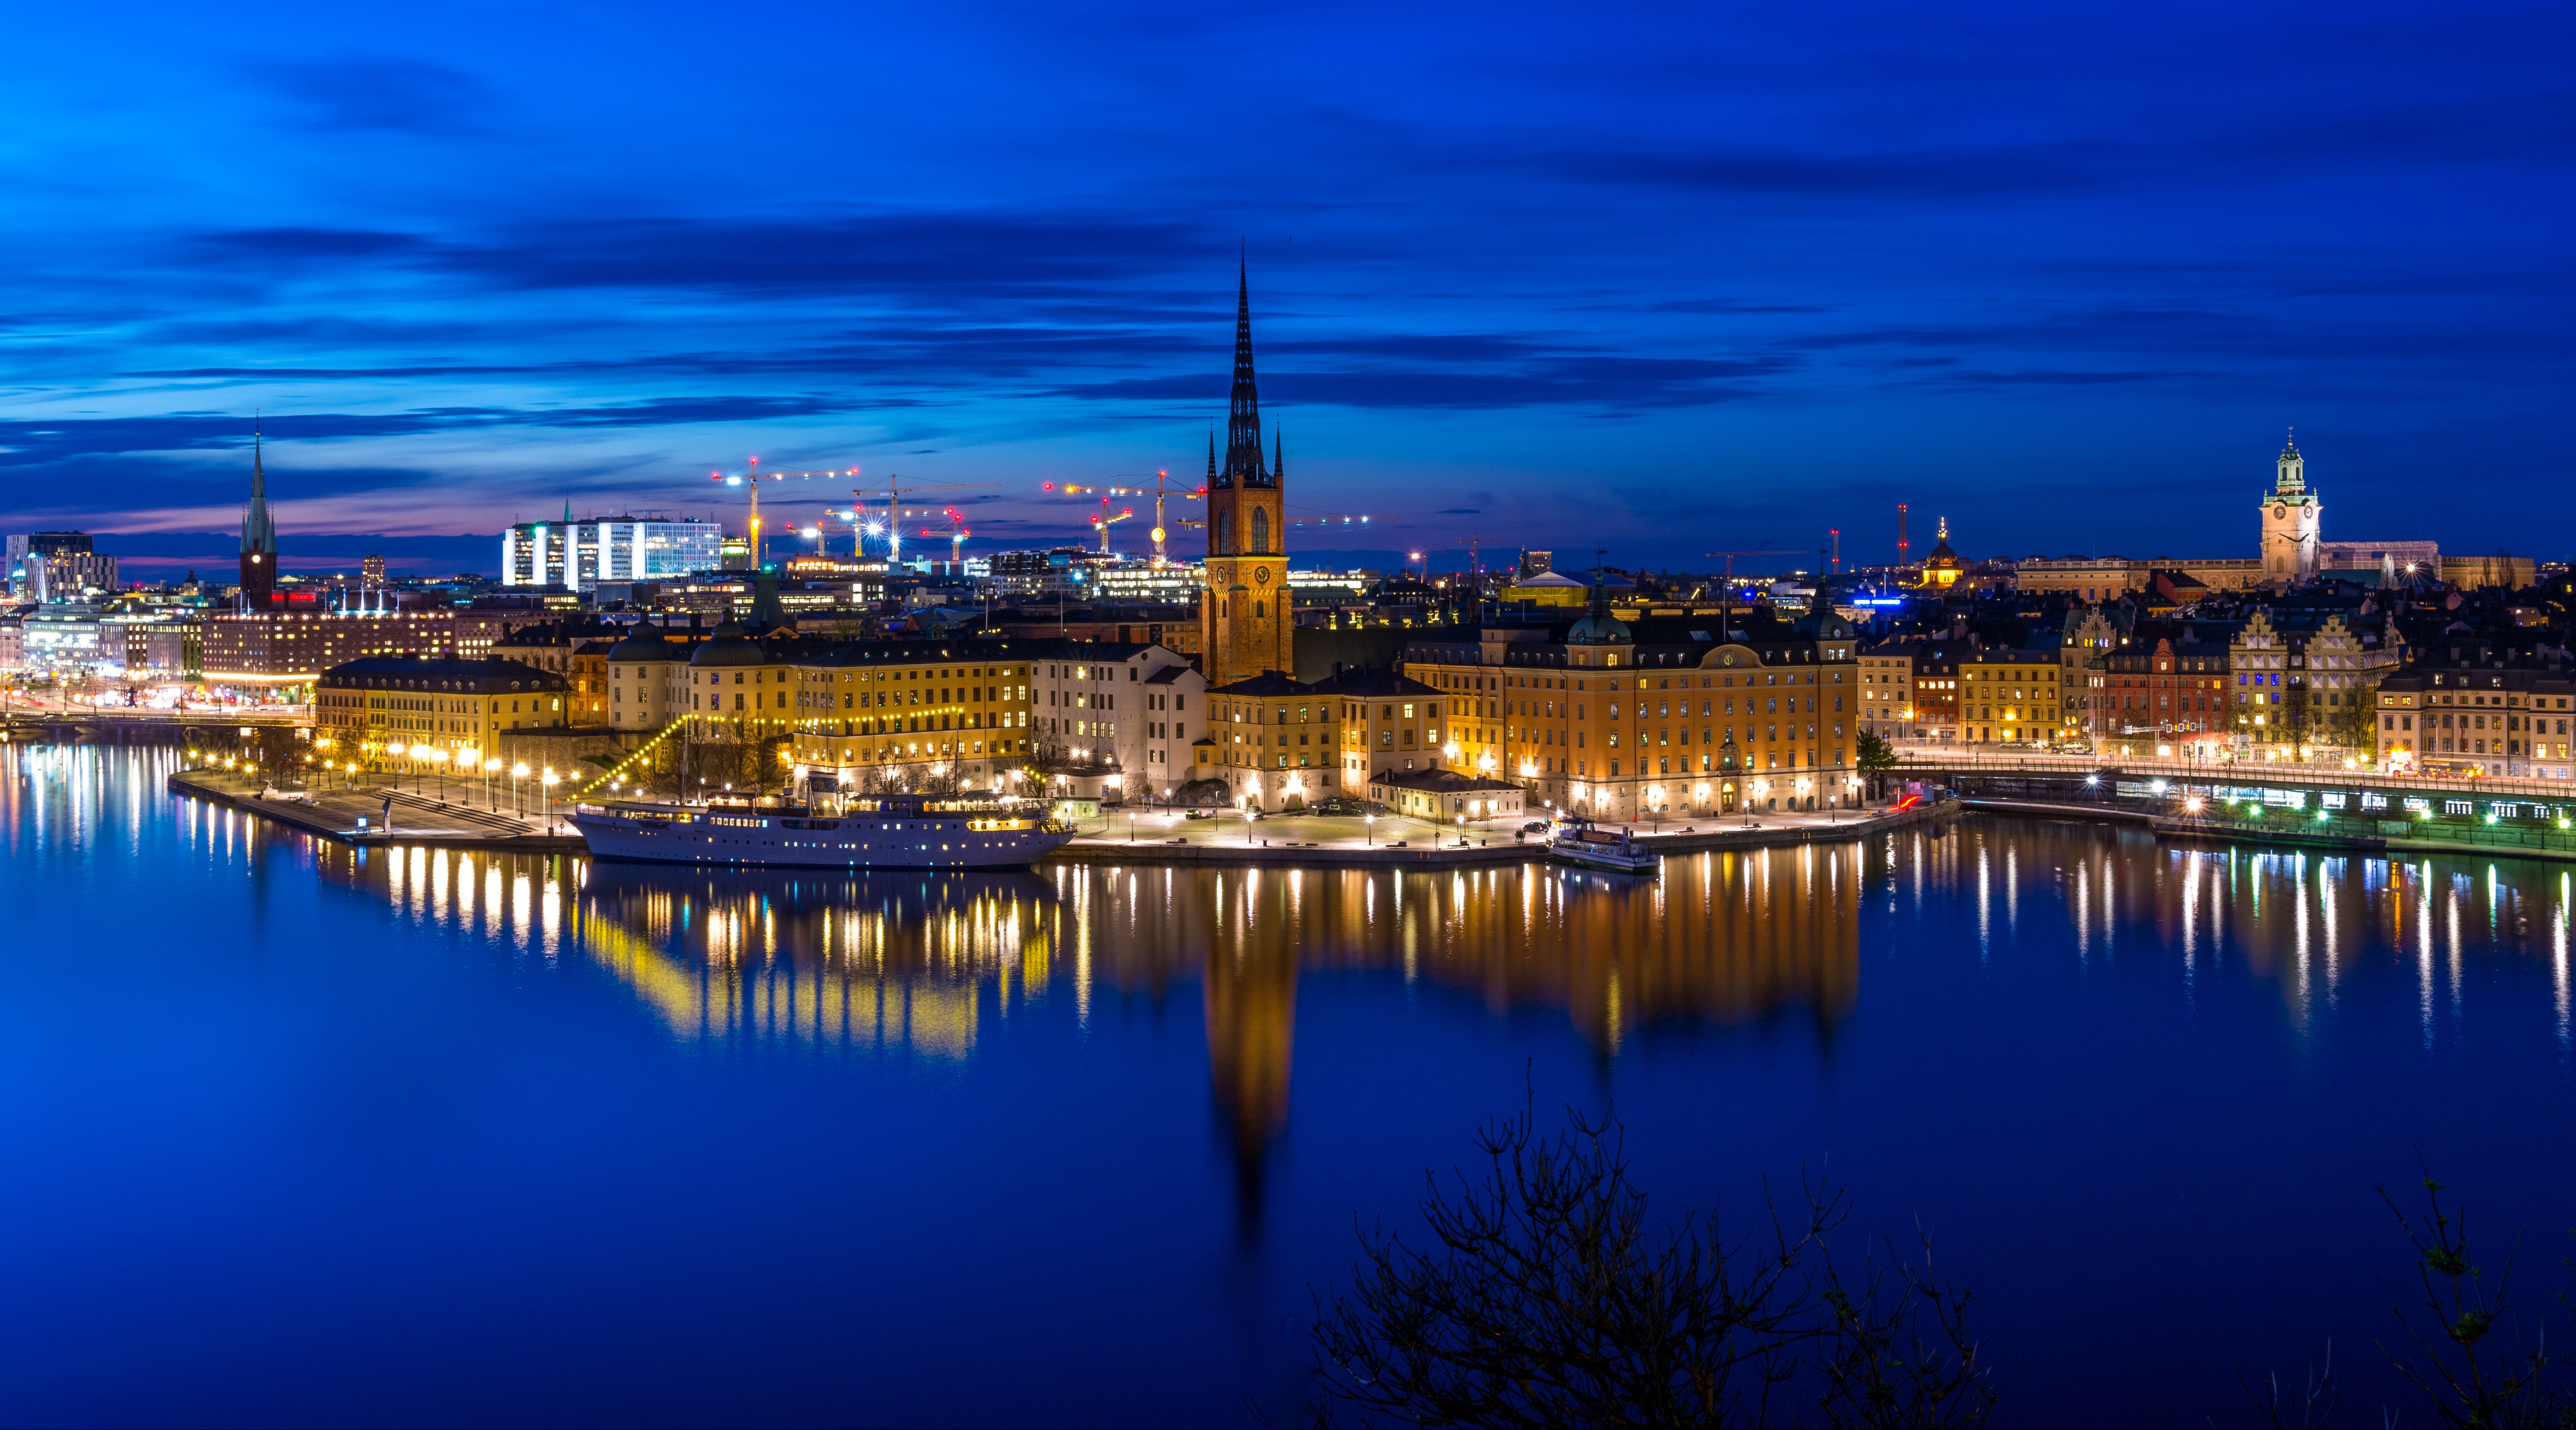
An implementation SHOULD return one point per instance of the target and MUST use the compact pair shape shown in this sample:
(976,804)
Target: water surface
(299,1133)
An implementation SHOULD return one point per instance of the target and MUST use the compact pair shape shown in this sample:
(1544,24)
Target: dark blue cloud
(361,92)
(1660,269)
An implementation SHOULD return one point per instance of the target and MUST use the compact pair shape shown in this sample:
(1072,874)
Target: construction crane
(895,487)
(752,478)
(1162,491)
(1330,518)
(1104,521)
(957,532)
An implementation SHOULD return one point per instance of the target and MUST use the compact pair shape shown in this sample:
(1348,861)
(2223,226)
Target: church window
(1260,529)
(1225,533)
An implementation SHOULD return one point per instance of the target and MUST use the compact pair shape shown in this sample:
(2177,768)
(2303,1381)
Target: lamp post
(1368,829)
(488,767)
(518,799)
(550,778)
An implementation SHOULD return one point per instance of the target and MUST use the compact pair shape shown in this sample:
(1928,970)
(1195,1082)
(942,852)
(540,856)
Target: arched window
(1260,529)
(1225,533)
(1257,611)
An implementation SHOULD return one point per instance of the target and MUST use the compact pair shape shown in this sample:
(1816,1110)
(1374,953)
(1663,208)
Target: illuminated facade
(1599,723)
(579,555)
(396,715)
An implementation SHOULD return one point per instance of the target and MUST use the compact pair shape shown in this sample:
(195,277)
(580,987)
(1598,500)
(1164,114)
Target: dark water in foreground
(299,1134)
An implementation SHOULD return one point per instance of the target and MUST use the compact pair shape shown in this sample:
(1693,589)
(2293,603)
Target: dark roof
(1371,683)
(729,648)
(645,643)
(1439,781)
(479,677)
(1268,682)
(931,652)
(1166,674)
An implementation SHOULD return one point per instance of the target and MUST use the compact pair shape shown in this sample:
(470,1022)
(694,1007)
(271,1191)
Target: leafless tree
(1552,1299)
(2469,1383)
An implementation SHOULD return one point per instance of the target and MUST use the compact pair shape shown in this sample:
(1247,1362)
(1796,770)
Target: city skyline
(1812,269)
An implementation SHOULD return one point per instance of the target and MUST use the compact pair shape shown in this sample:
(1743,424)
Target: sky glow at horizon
(1660,282)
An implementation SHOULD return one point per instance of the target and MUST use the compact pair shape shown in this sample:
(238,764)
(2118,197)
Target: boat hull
(1607,863)
(846,844)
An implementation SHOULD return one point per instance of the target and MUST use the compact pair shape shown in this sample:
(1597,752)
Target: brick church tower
(1247,624)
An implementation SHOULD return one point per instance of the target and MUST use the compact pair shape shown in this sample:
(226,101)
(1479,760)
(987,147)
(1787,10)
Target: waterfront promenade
(414,818)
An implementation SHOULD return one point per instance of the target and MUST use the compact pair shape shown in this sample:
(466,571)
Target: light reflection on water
(2280,1008)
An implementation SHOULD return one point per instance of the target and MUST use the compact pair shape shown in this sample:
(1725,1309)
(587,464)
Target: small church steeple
(258,533)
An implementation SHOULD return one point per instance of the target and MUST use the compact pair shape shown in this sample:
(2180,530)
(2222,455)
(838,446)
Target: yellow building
(887,715)
(2011,697)
(1599,723)
(397,715)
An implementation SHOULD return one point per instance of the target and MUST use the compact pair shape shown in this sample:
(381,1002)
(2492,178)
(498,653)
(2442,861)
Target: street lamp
(550,778)
(518,801)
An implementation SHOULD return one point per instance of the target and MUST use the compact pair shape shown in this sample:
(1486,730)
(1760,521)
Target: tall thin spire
(1278,455)
(1243,421)
(1211,456)
(259,533)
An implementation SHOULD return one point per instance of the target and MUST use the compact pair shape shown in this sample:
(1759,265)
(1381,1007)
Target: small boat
(896,831)
(1578,842)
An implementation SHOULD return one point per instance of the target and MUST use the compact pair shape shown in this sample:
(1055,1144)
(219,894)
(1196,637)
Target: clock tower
(2293,521)
(1247,623)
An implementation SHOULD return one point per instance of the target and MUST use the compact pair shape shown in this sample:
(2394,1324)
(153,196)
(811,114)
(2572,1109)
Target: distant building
(581,555)
(371,571)
(58,566)
(290,647)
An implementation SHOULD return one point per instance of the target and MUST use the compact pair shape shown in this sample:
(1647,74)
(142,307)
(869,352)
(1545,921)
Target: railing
(2536,836)
(2248,772)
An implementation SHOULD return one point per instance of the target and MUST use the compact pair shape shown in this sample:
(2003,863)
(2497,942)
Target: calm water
(297,1133)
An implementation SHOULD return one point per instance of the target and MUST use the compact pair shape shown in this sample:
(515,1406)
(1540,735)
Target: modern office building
(579,555)
(58,566)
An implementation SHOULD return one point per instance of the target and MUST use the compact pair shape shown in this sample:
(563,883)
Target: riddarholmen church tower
(1246,623)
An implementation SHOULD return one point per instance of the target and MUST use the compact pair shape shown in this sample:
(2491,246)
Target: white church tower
(2293,521)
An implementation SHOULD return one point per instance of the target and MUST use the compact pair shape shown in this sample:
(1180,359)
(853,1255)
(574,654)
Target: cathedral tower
(1247,624)
(258,539)
(2293,521)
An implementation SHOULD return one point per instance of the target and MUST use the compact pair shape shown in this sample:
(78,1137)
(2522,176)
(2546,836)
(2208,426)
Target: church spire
(1211,456)
(1278,455)
(1243,421)
(259,533)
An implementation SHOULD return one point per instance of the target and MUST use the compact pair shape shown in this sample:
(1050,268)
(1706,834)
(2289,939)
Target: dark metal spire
(259,533)
(1243,423)
(1211,455)
(1278,455)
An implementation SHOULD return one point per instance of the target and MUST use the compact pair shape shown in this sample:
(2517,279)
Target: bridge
(133,726)
(2273,801)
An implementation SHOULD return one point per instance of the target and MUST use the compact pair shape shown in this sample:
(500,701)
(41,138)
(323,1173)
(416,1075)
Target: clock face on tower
(2280,512)
(1261,575)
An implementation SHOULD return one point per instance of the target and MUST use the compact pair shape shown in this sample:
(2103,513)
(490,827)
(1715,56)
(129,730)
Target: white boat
(900,831)
(1580,843)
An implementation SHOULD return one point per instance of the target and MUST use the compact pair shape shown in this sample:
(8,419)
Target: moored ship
(895,831)
(1578,842)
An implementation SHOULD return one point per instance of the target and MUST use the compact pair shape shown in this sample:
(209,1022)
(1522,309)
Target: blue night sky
(1660,280)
